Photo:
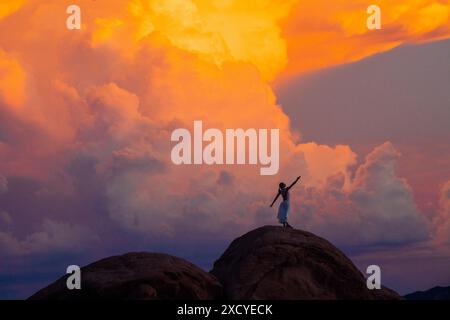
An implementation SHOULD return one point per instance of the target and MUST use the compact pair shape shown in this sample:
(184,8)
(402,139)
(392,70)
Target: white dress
(283,209)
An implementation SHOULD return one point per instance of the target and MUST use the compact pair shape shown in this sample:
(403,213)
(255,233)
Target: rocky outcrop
(138,276)
(277,263)
(266,263)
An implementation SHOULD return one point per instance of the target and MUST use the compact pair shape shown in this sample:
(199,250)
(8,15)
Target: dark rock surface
(276,263)
(137,276)
(266,263)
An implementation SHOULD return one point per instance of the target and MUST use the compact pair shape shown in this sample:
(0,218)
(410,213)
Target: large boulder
(137,276)
(279,263)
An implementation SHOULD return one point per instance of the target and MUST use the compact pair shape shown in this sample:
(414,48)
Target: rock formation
(137,276)
(266,263)
(277,263)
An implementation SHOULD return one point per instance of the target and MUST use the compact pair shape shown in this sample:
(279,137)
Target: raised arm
(293,183)
(276,197)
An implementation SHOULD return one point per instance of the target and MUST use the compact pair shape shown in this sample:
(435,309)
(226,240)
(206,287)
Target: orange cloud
(187,60)
(113,91)
(323,33)
(9,7)
(220,30)
(12,81)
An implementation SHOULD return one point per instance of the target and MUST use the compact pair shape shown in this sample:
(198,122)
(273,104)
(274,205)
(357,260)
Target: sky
(87,115)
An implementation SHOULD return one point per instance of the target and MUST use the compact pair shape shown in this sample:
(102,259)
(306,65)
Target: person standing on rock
(283,209)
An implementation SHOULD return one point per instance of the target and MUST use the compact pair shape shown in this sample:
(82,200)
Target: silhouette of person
(283,209)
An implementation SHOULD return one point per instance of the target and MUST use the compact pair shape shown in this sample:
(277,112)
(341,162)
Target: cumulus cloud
(112,94)
(254,38)
(5,219)
(386,201)
(376,207)
(53,237)
(3,184)
(442,221)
